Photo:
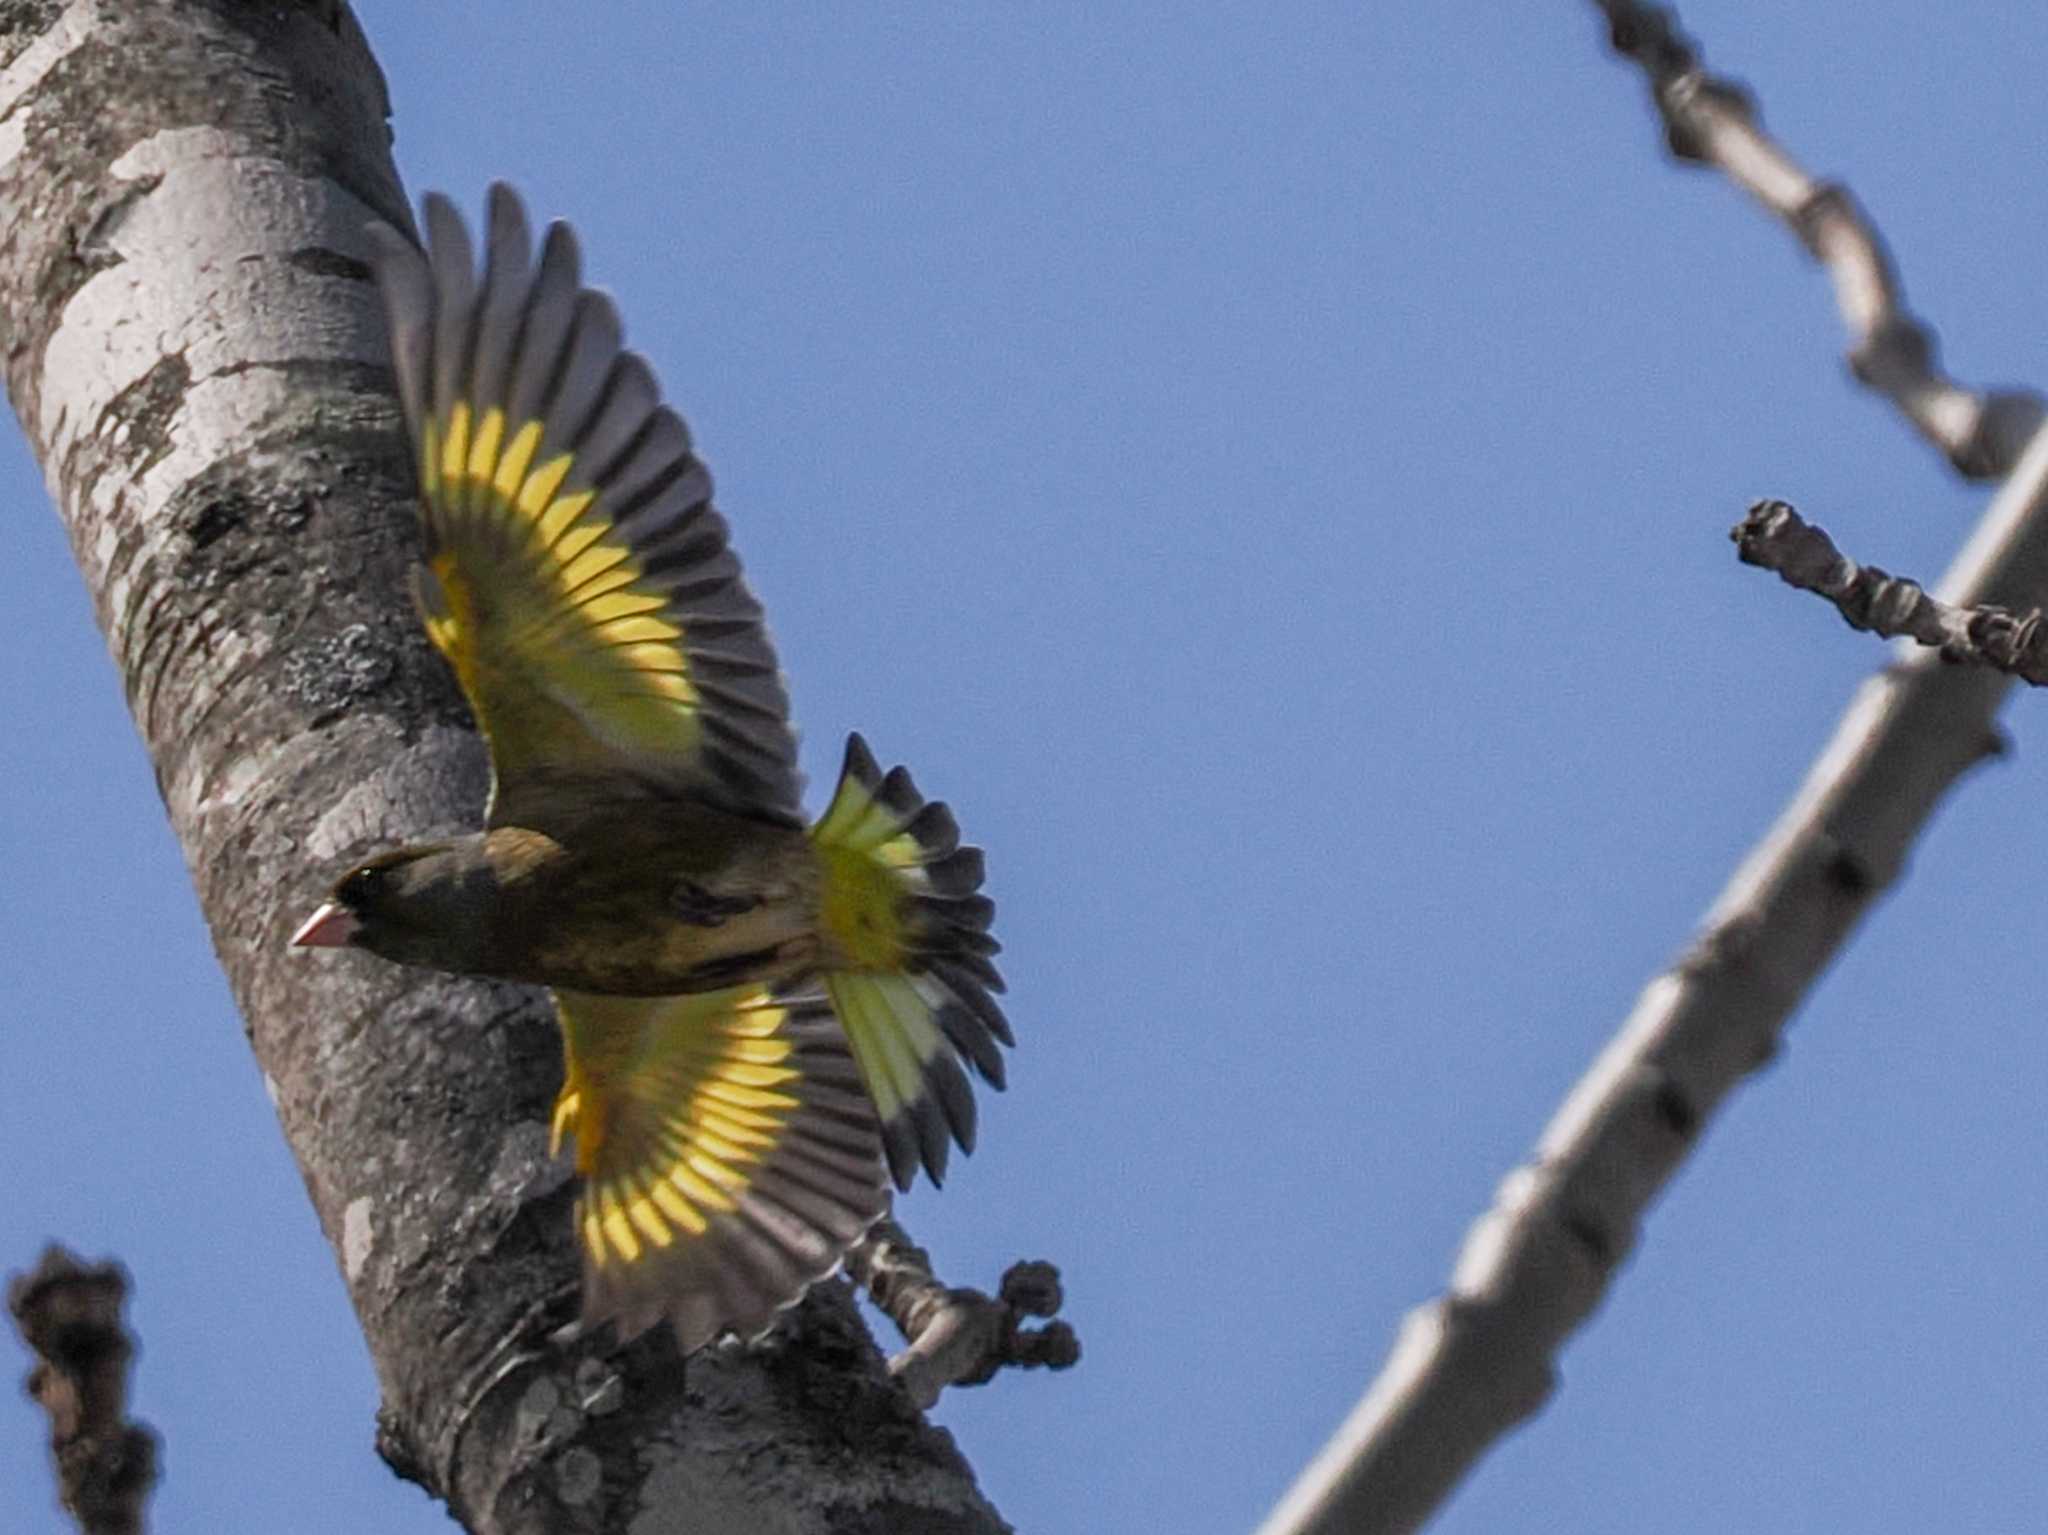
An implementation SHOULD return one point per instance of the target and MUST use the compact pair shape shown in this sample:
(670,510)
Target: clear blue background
(1271,471)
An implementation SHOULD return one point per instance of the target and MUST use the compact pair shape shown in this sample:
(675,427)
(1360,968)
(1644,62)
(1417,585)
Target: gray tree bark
(194,351)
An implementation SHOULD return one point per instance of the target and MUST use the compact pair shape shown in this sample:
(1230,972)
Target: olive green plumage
(652,902)
(756,1014)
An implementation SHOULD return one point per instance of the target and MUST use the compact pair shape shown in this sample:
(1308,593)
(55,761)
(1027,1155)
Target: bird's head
(428,905)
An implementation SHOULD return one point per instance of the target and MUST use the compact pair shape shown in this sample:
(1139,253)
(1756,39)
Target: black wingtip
(860,763)
(898,791)
(935,829)
(561,256)
(445,229)
(507,236)
(502,200)
(934,1138)
(955,1097)
(960,872)
(967,1027)
(901,1149)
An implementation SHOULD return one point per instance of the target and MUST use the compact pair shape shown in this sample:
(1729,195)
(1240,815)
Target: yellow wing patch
(872,865)
(669,1123)
(578,577)
(728,1157)
(539,606)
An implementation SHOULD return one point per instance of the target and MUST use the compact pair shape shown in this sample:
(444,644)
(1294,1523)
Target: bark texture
(195,354)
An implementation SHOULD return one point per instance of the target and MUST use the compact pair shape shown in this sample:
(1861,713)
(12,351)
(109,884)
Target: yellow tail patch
(907,966)
(860,909)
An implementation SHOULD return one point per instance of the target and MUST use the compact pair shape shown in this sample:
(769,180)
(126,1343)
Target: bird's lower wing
(729,1155)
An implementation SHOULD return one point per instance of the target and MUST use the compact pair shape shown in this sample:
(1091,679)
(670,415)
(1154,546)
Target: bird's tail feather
(909,967)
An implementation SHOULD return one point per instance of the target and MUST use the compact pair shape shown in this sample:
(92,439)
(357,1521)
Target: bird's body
(757,1013)
(653,899)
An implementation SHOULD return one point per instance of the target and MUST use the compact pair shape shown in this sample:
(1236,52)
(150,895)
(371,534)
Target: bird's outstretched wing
(577,577)
(728,1152)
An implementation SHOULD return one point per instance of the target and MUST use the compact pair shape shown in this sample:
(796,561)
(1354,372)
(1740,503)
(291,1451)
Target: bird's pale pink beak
(330,927)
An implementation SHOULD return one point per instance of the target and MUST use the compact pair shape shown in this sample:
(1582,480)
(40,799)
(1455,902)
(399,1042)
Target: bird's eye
(361,884)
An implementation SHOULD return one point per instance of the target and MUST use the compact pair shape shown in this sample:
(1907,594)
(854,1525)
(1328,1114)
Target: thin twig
(1473,1363)
(69,1315)
(1777,538)
(1712,120)
(960,1337)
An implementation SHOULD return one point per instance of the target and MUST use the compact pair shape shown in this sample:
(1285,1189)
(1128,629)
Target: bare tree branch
(1775,537)
(960,1337)
(1473,1363)
(1712,120)
(69,1315)
(194,349)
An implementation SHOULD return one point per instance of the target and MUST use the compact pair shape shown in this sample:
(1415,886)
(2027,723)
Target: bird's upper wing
(728,1152)
(577,577)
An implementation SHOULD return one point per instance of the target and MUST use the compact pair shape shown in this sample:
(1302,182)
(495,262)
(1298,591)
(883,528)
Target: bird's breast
(650,917)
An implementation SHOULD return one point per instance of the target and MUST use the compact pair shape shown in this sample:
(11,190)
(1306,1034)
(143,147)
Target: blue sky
(1270,472)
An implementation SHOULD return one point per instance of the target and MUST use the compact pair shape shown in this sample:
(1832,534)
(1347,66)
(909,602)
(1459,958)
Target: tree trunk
(195,353)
